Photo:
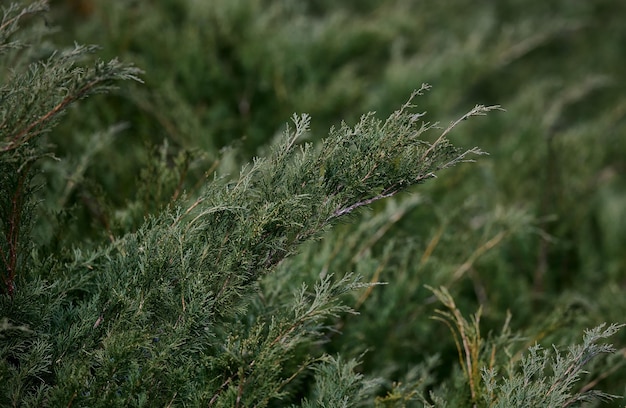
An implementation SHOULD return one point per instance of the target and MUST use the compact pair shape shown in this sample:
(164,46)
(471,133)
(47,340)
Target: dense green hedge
(532,236)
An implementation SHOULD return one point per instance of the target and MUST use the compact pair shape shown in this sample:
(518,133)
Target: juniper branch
(32,97)
(56,77)
(239,230)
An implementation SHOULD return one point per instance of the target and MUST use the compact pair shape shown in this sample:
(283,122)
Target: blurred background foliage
(536,229)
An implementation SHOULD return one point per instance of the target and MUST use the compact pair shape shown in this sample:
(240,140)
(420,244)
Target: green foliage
(532,386)
(148,260)
(33,96)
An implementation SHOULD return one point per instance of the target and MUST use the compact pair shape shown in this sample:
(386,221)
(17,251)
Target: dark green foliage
(33,96)
(150,260)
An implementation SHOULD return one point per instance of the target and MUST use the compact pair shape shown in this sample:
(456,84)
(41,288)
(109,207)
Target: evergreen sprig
(32,100)
(10,24)
(279,202)
(548,377)
(32,97)
(543,377)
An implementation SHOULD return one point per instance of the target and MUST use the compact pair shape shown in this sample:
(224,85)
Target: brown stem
(345,210)
(12,235)
(23,136)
